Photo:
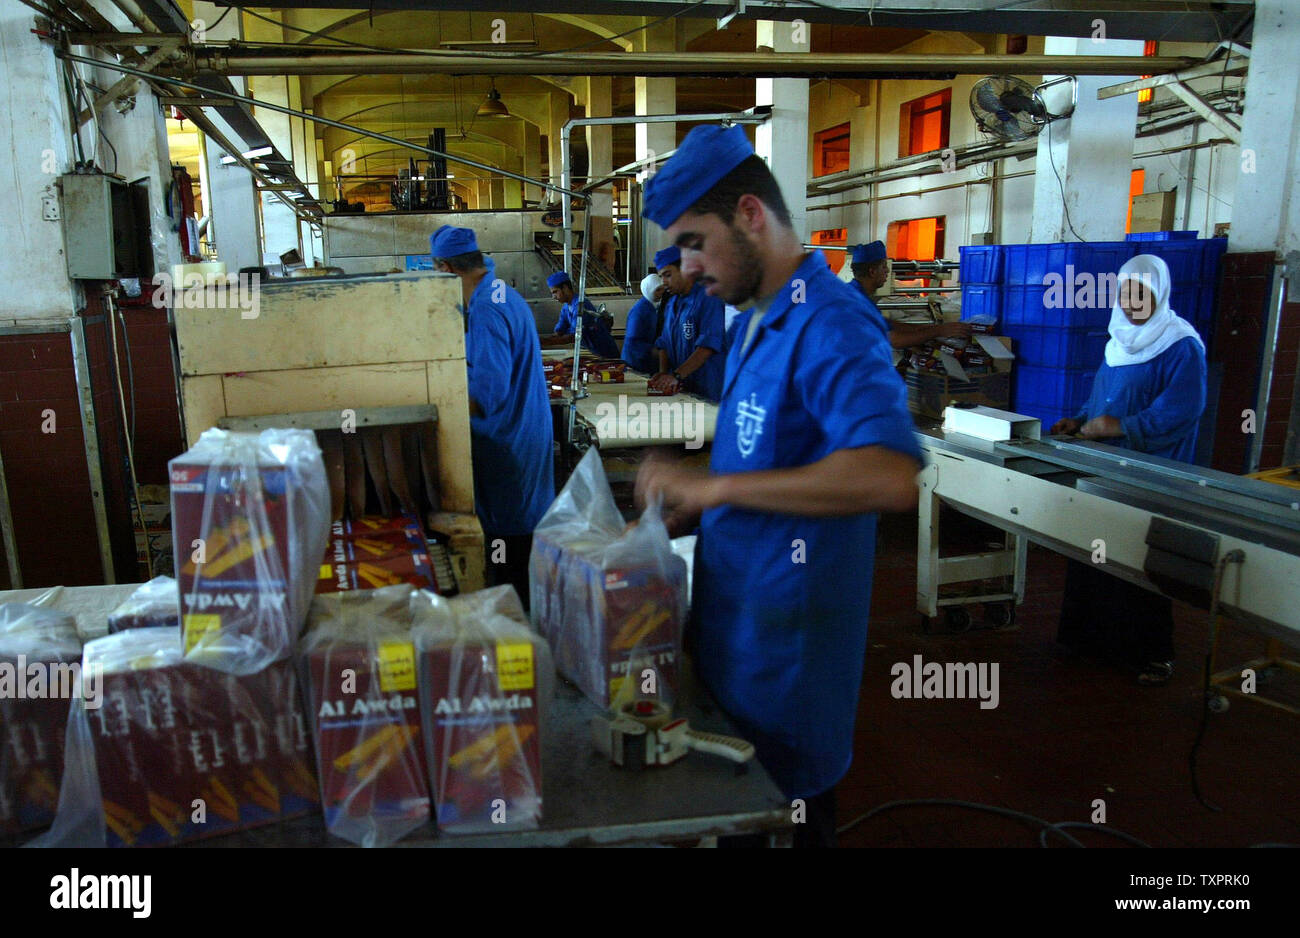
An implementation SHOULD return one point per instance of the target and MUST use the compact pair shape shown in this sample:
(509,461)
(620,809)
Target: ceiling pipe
(311,61)
(752,116)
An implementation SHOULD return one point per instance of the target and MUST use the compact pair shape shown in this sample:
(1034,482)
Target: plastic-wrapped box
(153,605)
(33,711)
(250,520)
(359,661)
(611,599)
(170,751)
(485,684)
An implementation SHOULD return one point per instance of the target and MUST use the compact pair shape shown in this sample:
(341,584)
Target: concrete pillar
(1092,152)
(559,116)
(782,141)
(654,96)
(36,141)
(598,94)
(532,161)
(1266,207)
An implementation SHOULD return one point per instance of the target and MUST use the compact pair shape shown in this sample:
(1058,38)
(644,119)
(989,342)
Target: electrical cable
(224,14)
(1099,828)
(951,803)
(130,451)
(1060,185)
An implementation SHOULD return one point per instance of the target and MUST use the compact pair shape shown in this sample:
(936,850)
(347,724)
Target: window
(1148,48)
(831,150)
(923,123)
(837,236)
(1136,183)
(917,239)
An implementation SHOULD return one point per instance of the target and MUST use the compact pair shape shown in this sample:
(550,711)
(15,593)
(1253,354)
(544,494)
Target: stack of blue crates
(1044,297)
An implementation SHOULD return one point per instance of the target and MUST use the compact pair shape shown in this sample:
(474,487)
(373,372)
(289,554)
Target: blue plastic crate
(1057,346)
(1063,390)
(981,263)
(1029,306)
(1185,259)
(1211,258)
(981,299)
(1029,264)
(1162,236)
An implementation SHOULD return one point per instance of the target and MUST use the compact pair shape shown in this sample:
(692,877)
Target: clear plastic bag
(610,598)
(250,520)
(359,667)
(168,751)
(486,680)
(153,605)
(40,656)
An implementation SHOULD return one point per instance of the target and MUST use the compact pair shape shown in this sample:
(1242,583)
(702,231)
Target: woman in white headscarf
(1148,396)
(644,323)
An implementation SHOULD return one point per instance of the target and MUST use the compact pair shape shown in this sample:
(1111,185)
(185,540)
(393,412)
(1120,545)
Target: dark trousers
(1109,617)
(513,567)
(817,829)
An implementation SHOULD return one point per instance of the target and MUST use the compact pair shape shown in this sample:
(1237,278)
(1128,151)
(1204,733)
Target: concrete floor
(1067,730)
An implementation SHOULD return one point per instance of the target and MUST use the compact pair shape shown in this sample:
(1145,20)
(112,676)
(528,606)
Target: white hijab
(1133,344)
(649,284)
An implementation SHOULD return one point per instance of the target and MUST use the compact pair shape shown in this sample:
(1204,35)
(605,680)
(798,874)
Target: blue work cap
(869,253)
(558,278)
(451,242)
(708,153)
(669,255)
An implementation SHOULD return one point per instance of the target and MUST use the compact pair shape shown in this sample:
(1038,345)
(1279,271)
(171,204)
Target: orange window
(923,123)
(1148,48)
(833,236)
(831,150)
(1136,182)
(916,239)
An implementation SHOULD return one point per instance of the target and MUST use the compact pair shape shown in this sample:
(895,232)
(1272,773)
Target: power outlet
(50,207)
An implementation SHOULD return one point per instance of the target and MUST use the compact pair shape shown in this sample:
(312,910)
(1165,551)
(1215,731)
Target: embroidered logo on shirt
(688,329)
(749,418)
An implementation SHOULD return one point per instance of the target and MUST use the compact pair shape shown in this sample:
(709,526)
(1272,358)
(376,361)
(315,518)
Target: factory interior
(690,423)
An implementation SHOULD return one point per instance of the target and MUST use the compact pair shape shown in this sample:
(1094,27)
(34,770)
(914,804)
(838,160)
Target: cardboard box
(929,392)
(1153,211)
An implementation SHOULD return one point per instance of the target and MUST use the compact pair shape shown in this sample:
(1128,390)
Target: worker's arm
(663,379)
(695,362)
(1176,410)
(908,334)
(847,482)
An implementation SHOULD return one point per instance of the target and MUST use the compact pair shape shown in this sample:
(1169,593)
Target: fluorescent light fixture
(451,176)
(260,151)
(227,159)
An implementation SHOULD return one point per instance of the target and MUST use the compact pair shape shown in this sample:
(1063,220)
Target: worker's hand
(686,492)
(956,330)
(664,382)
(1067,425)
(1100,428)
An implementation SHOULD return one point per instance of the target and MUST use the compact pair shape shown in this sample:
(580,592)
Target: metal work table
(586,801)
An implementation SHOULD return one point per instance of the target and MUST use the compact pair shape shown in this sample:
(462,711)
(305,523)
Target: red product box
(42,645)
(182,751)
(369,525)
(414,569)
(367,736)
(371,547)
(598,619)
(250,516)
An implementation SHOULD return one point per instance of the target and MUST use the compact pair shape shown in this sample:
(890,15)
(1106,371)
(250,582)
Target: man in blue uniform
(510,413)
(870,266)
(596,337)
(813,439)
(644,326)
(690,347)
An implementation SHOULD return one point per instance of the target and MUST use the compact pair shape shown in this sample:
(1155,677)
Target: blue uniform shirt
(780,602)
(514,479)
(696,321)
(1158,403)
(596,337)
(639,341)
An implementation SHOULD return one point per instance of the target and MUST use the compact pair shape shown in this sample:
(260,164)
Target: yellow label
(197,626)
(396,666)
(326,571)
(515,666)
(615,685)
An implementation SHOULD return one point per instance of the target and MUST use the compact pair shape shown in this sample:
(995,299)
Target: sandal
(1156,673)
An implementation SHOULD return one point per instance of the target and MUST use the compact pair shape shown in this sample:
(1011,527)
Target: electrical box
(105,227)
(1153,211)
